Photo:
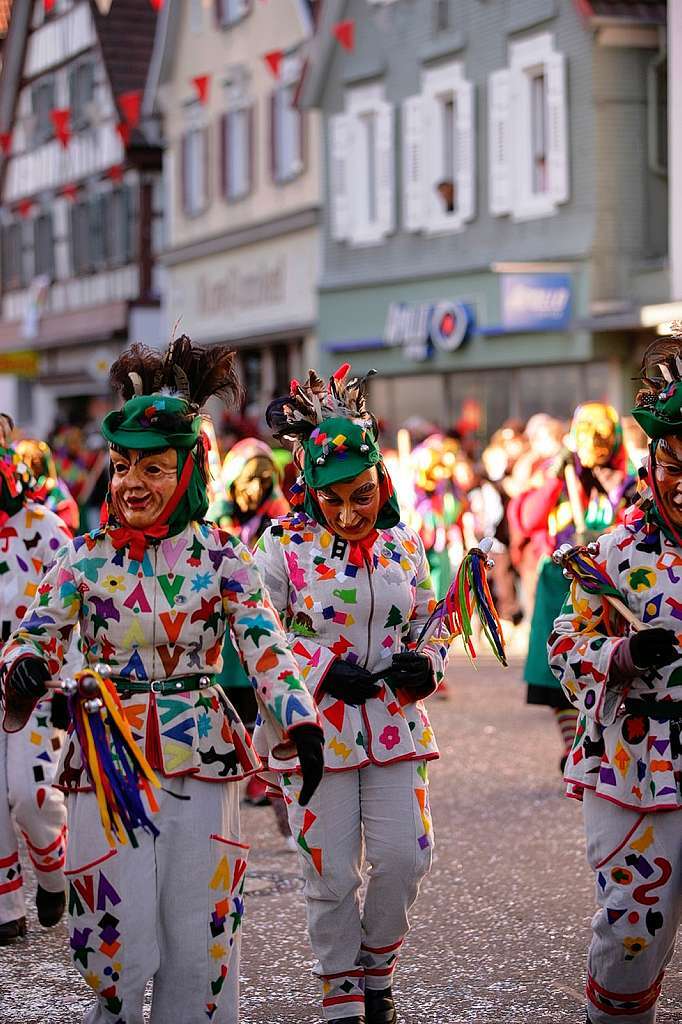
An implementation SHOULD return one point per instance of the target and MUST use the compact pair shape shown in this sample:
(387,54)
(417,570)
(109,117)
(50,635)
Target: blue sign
(536,302)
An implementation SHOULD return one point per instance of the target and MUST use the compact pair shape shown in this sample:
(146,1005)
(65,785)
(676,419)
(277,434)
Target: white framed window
(194,170)
(362,168)
(528,131)
(237,143)
(230,11)
(439,152)
(286,134)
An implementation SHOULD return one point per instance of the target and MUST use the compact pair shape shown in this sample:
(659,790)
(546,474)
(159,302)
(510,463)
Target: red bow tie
(361,550)
(137,540)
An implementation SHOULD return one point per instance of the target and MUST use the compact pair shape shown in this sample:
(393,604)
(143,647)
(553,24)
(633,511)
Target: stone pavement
(502,924)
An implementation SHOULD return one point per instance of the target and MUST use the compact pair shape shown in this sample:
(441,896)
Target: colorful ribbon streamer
(115,766)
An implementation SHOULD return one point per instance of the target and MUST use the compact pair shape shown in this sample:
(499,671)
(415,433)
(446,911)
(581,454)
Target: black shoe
(50,907)
(12,931)
(379,1006)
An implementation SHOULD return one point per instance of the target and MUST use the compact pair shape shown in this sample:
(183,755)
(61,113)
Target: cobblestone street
(502,924)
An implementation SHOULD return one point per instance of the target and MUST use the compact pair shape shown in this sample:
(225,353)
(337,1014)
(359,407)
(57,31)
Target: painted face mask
(142,484)
(253,484)
(351,508)
(595,433)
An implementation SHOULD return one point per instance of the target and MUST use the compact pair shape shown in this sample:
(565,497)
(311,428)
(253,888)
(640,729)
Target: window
(194,171)
(43,245)
(286,134)
(237,137)
(361,168)
(230,11)
(120,238)
(81,92)
(12,256)
(441,16)
(658,115)
(439,184)
(528,132)
(80,238)
(97,211)
(42,105)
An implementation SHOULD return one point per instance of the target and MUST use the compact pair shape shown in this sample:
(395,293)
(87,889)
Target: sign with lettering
(422,328)
(536,302)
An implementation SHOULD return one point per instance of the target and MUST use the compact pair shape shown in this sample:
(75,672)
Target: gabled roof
(125,36)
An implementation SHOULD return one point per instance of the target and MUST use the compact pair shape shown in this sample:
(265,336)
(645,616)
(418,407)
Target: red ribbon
(361,550)
(139,540)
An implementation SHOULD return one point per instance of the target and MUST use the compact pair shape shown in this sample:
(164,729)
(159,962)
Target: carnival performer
(30,536)
(250,500)
(352,585)
(626,685)
(47,488)
(439,504)
(586,492)
(154,591)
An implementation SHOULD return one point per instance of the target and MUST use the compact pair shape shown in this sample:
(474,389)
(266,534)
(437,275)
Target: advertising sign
(422,328)
(535,302)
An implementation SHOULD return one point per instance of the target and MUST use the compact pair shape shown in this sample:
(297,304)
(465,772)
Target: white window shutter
(385,168)
(557,128)
(340,156)
(500,178)
(466,152)
(413,164)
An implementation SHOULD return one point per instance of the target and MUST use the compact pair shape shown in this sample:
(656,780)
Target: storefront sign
(424,327)
(535,302)
(19,364)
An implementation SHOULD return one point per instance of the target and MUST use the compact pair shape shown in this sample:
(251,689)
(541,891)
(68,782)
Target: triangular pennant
(130,104)
(273,59)
(5,142)
(25,207)
(202,84)
(123,129)
(156,4)
(115,173)
(61,119)
(344,33)
(70,192)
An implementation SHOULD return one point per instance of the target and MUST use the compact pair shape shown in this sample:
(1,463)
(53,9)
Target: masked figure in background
(586,493)
(352,585)
(439,505)
(48,489)
(30,536)
(154,592)
(626,686)
(251,500)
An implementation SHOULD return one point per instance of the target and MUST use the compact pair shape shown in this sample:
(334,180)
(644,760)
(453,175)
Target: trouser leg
(201,872)
(329,839)
(12,905)
(112,908)
(637,863)
(398,845)
(38,808)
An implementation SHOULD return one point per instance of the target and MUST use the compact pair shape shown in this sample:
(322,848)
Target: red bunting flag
(70,192)
(61,121)
(274,61)
(25,207)
(130,103)
(48,5)
(202,84)
(156,4)
(123,130)
(115,173)
(344,33)
(5,142)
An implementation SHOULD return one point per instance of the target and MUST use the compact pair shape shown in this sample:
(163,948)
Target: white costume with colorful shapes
(29,541)
(627,766)
(171,908)
(375,780)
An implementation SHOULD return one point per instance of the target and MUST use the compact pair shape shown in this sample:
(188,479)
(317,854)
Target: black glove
(27,678)
(411,672)
(653,648)
(349,683)
(60,711)
(309,741)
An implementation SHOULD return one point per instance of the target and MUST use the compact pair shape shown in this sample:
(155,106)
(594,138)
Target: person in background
(584,494)
(47,489)
(30,806)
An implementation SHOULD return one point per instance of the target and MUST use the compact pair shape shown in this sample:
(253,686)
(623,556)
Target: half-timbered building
(81,206)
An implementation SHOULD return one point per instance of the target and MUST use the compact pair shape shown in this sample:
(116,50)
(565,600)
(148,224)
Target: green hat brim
(338,469)
(654,426)
(123,427)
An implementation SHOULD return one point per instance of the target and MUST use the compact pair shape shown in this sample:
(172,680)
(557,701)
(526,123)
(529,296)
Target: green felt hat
(153,421)
(338,450)
(664,415)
